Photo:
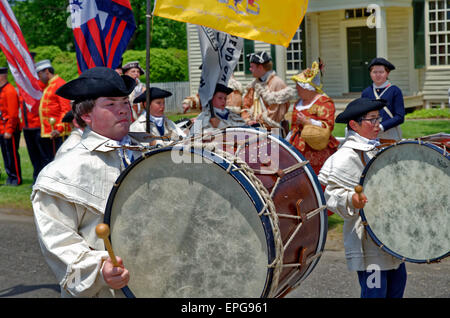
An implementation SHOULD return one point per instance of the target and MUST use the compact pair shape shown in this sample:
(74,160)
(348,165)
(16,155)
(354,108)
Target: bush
(429,113)
(167,65)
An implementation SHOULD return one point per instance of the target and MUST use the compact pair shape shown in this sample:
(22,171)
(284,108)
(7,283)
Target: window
(295,53)
(439,32)
(357,13)
(240,64)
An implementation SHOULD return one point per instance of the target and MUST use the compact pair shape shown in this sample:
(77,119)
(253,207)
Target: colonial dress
(395,113)
(321,111)
(267,100)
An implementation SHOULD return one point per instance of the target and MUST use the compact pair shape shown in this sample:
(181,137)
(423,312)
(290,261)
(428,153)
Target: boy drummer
(380,274)
(70,194)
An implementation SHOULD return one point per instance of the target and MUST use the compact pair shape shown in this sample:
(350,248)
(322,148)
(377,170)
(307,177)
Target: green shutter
(273,54)
(303,44)
(249,47)
(419,33)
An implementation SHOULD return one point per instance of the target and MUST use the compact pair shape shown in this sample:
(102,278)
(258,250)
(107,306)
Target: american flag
(102,30)
(19,59)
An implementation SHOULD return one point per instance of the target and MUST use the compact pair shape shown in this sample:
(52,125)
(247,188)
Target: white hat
(42,65)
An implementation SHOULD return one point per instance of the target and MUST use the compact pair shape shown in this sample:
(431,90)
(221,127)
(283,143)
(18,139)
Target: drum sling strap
(363,160)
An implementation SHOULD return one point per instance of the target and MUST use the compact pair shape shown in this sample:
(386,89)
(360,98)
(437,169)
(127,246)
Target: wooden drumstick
(52,122)
(359,190)
(102,231)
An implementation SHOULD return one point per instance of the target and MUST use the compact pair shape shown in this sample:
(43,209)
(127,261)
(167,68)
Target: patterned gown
(322,110)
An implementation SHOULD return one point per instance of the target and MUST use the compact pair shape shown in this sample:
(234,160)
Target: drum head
(188,230)
(407,186)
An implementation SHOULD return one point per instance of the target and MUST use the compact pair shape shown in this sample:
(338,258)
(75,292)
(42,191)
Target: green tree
(44,22)
(166,33)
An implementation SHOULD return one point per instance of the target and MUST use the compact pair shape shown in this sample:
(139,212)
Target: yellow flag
(269,21)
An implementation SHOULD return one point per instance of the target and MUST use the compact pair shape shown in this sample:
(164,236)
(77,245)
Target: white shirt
(69,200)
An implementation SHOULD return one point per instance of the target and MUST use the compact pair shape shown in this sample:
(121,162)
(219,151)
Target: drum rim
(236,174)
(363,216)
(316,184)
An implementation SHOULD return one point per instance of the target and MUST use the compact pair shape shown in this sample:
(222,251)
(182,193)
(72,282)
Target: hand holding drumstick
(359,199)
(114,273)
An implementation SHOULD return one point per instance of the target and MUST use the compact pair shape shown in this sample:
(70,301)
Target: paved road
(24,272)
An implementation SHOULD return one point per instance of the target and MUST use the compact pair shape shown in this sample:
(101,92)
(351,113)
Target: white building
(347,34)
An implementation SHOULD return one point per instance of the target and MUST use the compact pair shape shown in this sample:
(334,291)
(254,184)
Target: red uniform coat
(54,106)
(9,108)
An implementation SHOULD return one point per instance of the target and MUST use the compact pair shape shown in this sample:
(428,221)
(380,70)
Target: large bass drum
(238,213)
(407,185)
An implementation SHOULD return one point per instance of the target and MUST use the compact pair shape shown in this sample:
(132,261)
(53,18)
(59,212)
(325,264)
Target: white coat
(340,174)
(69,200)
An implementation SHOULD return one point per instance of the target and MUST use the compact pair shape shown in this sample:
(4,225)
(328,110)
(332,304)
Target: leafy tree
(44,22)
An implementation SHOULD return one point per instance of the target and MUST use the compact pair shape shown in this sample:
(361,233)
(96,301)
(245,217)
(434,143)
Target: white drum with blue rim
(238,213)
(408,210)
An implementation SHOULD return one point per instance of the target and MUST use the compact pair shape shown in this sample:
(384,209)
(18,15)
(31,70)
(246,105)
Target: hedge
(166,65)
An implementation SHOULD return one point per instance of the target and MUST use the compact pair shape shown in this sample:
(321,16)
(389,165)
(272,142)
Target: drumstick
(359,190)
(102,231)
(52,121)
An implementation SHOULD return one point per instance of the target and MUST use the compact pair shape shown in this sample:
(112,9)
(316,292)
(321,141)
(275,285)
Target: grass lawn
(18,198)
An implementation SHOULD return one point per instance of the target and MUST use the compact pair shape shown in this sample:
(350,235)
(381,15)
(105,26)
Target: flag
(220,54)
(102,30)
(19,59)
(268,21)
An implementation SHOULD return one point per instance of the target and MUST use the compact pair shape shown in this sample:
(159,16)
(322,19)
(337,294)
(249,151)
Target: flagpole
(149,18)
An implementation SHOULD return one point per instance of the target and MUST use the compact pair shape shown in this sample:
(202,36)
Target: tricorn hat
(68,117)
(222,88)
(358,107)
(259,57)
(3,70)
(155,93)
(383,62)
(133,64)
(42,65)
(97,82)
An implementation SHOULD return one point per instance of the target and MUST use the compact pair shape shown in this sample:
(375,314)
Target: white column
(313,39)
(280,52)
(382,45)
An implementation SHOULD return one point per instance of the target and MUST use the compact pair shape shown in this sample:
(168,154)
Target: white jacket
(340,174)
(170,129)
(69,200)
(202,122)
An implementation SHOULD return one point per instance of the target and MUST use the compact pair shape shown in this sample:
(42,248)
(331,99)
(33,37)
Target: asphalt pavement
(25,274)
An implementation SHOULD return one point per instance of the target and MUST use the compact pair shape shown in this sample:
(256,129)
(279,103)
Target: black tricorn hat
(3,70)
(383,62)
(222,88)
(155,93)
(68,117)
(358,107)
(97,82)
